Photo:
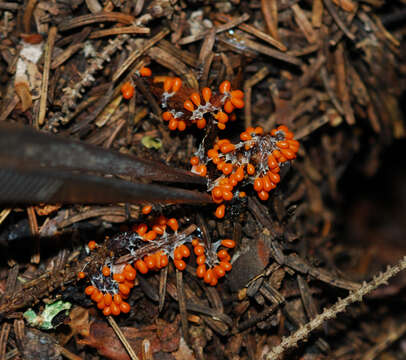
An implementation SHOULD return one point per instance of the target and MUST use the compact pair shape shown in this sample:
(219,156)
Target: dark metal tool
(38,167)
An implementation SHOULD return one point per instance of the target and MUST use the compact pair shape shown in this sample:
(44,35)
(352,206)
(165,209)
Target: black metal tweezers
(37,167)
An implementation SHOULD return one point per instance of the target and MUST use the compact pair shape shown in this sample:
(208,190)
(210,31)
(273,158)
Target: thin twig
(3,214)
(45,76)
(138,52)
(163,278)
(337,19)
(66,353)
(331,313)
(29,8)
(122,338)
(32,219)
(182,305)
(5,331)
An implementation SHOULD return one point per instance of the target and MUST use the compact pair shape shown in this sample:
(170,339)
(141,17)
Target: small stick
(331,313)
(122,338)
(8,107)
(255,31)
(32,219)
(5,331)
(65,55)
(304,24)
(224,27)
(182,304)
(337,19)
(342,88)
(163,277)
(317,13)
(96,18)
(279,55)
(45,76)
(270,16)
(66,353)
(118,127)
(330,92)
(146,350)
(207,46)
(346,5)
(138,52)
(133,29)
(263,36)
(147,93)
(257,318)
(27,15)
(256,78)
(3,215)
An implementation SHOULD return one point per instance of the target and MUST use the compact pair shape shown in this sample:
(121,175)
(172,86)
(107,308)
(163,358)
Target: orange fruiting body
(226,265)
(127,90)
(228,243)
(107,311)
(180,264)
(146,209)
(225,86)
(195,97)
(173,224)
(256,160)
(188,105)
(168,83)
(220,211)
(115,309)
(150,235)
(201,105)
(108,299)
(117,299)
(141,266)
(106,271)
(89,290)
(144,71)
(200,271)
(118,277)
(125,307)
(206,93)
(177,84)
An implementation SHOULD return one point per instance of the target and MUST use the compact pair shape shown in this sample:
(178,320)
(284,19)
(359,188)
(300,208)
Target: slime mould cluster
(148,249)
(254,161)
